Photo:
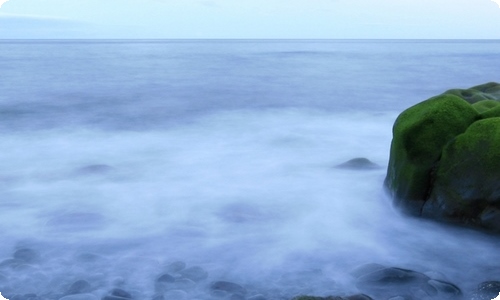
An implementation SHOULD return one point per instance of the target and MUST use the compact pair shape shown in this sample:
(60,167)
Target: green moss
(491,113)
(485,105)
(487,91)
(468,176)
(419,135)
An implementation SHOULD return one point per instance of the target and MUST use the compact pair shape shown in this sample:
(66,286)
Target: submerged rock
(359,163)
(397,283)
(445,158)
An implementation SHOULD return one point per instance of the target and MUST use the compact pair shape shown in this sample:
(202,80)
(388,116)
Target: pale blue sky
(448,19)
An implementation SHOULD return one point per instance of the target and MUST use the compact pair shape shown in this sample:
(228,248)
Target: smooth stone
(194,273)
(391,282)
(79,297)
(79,287)
(445,290)
(237,297)
(229,287)
(27,255)
(366,269)
(359,163)
(166,278)
(121,293)
(176,267)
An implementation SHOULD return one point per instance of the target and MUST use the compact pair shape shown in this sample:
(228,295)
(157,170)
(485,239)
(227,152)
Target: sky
(245,19)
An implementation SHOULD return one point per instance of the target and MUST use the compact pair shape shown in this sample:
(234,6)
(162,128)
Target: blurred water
(219,154)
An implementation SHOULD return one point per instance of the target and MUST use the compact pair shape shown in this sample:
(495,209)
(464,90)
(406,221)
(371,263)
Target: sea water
(120,160)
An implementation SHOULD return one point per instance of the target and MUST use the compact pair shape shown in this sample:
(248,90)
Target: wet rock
(79,297)
(366,269)
(121,293)
(359,163)
(445,290)
(79,287)
(196,274)
(27,255)
(229,287)
(236,297)
(444,162)
(184,284)
(397,282)
(118,294)
(486,290)
(176,267)
(166,278)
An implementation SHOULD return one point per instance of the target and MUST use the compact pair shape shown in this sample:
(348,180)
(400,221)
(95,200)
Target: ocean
(122,161)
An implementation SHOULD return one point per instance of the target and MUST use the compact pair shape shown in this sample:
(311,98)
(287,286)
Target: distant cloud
(497,2)
(2,2)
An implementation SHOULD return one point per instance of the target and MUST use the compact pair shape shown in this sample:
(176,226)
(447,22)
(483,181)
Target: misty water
(123,160)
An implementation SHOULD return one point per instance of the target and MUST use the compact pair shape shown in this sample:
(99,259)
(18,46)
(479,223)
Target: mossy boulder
(445,157)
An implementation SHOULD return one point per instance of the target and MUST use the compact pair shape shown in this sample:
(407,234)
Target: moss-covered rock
(445,157)
(487,91)
(419,135)
(467,181)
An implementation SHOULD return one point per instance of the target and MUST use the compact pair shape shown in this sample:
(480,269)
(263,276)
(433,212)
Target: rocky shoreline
(178,280)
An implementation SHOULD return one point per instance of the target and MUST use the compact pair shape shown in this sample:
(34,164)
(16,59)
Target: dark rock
(176,267)
(359,163)
(166,278)
(27,255)
(237,297)
(407,284)
(120,293)
(444,162)
(230,287)
(194,273)
(445,290)
(358,297)
(366,269)
(79,287)
(419,135)
(486,291)
(257,297)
